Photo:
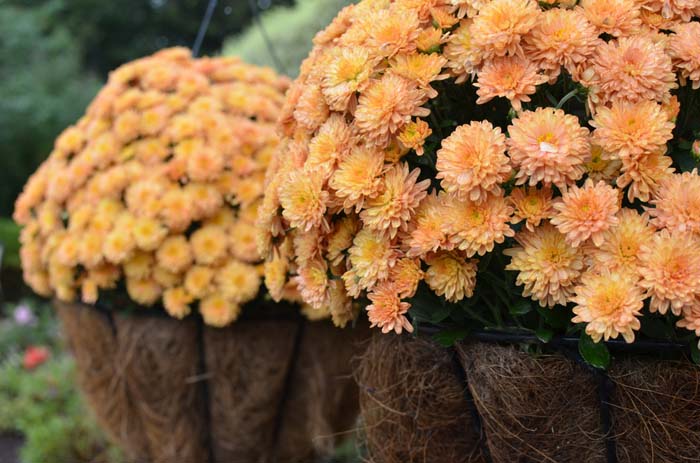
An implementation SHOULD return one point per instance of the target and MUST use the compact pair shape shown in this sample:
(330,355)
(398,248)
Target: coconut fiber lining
(527,408)
(415,404)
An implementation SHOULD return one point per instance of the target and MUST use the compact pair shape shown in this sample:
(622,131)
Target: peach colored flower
(118,245)
(587,212)
(602,166)
(386,106)
(610,304)
(670,271)
(340,305)
(511,77)
(218,311)
(340,238)
(548,267)
(405,276)
(472,162)
(139,265)
(451,274)
(237,281)
(174,253)
(303,200)
(177,302)
(392,208)
(242,241)
(145,292)
(330,144)
(691,318)
(683,48)
(387,311)
(429,40)
(531,205)
(621,243)
(462,56)
(630,130)
(618,18)
(644,175)
(548,146)
(307,246)
(681,9)
(413,135)
(561,38)
(500,25)
(370,257)
(198,280)
(148,233)
(209,245)
(357,177)
(347,72)
(476,227)
(631,69)
(422,69)
(677,203)
(428,225)
(276,269)
(390,33)
(311,110)
(312,281)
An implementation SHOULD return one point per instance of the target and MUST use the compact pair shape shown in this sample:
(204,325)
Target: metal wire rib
(203,26)
(266,38)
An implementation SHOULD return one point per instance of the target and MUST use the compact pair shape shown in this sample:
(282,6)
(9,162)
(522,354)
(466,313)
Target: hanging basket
(489,402)
(272,387)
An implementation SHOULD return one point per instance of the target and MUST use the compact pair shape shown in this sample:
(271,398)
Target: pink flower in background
(23,315)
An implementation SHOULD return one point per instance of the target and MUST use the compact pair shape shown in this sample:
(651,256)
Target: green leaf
(440,313)
(594,353)
(448,338)
(557,317)
(544,334)
(695,352)
(521,307)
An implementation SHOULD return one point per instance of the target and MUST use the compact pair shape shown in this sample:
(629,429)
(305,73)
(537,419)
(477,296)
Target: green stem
(567,97)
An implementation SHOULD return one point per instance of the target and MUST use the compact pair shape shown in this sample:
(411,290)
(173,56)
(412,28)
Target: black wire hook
(203,26)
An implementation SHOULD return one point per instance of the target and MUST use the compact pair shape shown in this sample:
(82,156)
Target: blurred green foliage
(9,239)
(290,30)
(42,90)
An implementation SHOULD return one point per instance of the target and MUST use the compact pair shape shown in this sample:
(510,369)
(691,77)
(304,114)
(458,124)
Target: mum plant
(506,164)
(155,190)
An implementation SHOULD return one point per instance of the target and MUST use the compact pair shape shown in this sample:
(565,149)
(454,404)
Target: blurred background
(54,56)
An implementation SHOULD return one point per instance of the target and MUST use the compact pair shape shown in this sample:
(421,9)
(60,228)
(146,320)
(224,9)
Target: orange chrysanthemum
(602,166)
(371,257)
(677,203)
(414,134)
(683,48)
(610,304)
(405,276)
(451,274)
(548,146)
(386,106)
(393,207)
(387,311)
(587,212)
(619,18)
(670,271)
(619,250)
(348,72)
(428,225)
(511,77)
(532,205)
(644,175)
(548,267)
(462,56)
(631,69)
(303,199)
(357,177)
(500,25)
(476,227)
(312,281)
(631,130)
(472,162)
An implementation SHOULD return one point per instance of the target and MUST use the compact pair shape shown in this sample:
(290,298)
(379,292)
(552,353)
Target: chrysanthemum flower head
(146,188)
(500,25)
(451,274)
(610,304)
(677,203)
(471,162)
(371,257)
(532,205)
(618,18)
(670,270)
(511,77)
(683,48)
(387,311)
(643,176)
(548,146)
(587,212)
(621,243)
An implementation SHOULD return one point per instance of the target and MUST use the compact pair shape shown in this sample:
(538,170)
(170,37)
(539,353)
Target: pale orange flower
(683,48)
(174,253)
(219,311)
(677,203)
(670,271)
(681,9)
(198,280)
(476,227)
(139,265)
(548,146)
(340,304)
(312,282)
(691,318)
(209,244)
(531,205)
(644,175)
(238,281)
(392,208)
(548,267)
(451,274)
(631,69)
(511,77)
(357,177)
(177,302)
(428,225)
(340,238)
(587,212)
(618,18)
(330,144)
(386,106)
(311,110)
(561,38)
(621,243)
(148,233)
(602,166)
(391,33)
(610,304)
(630,130)
(405,276)
(145,292)
(303,200)
(347,72)
(242,241)
(387,311)
(422,69)
(414,134)
(371,256)
(472,162)
(462,56)
(500,25)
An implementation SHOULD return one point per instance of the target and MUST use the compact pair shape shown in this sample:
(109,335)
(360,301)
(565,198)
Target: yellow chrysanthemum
(145,292)
(175,253)
(148,233)
(371,257)
(303,200)
(548,268)
(218,311)
(239,282)
(177,302)
(610,304)
(451,274)
(209,244)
